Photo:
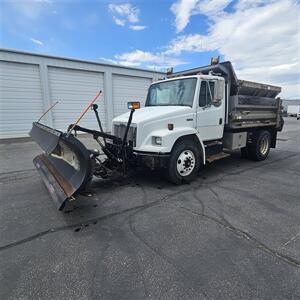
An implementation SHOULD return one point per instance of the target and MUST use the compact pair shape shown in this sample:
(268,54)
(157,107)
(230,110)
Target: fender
(202,146)
(197,135)
(169,138)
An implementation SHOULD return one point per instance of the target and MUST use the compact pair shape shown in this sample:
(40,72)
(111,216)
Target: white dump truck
(189,119)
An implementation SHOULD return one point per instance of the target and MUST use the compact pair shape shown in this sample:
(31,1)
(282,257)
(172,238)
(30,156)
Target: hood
(151,113)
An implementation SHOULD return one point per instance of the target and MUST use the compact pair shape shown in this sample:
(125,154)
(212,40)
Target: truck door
(210,113)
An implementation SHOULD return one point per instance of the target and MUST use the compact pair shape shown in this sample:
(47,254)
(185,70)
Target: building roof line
(78,60)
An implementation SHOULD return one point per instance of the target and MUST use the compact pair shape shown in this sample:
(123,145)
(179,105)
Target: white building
(286,103)
(31,83)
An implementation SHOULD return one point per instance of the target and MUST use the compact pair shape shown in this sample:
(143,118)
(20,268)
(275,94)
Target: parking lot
(234,233)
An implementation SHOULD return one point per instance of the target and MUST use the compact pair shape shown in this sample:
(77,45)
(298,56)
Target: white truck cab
(175,108)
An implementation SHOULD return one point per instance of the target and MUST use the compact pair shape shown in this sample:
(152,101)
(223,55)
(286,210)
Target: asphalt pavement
(234,233)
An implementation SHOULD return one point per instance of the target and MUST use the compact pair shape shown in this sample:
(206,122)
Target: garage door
(74,89)
(128,88)
(21,98)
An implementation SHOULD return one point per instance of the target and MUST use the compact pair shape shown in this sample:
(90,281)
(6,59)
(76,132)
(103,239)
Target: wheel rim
(186,163)
(264,145)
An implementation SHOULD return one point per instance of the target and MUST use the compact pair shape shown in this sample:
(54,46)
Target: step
(214,143)
(217,156)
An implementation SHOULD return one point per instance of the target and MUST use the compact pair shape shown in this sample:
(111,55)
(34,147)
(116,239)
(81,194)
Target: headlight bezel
(157,140)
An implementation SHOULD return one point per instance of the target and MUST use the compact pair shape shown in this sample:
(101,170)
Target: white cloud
(119,22)
(246,4)
(188,43)
(123,13)
(38,42)
(184,9)
(144,58)
(137,27)
(137,55)
(263,42)
(260,42)
(213,8)
(107,60)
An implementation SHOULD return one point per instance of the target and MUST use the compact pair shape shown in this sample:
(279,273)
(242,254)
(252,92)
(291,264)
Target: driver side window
(206,95)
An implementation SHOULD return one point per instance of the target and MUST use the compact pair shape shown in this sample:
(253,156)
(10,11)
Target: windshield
(176,92)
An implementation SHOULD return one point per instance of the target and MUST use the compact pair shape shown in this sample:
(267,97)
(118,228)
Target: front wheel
(184,162)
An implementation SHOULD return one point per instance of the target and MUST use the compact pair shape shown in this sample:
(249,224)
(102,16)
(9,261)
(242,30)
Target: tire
(260,146)
(184,162)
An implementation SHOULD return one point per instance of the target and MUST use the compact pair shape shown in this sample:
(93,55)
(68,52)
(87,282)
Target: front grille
(119,131)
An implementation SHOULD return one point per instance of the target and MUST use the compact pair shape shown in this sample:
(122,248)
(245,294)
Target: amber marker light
(170,126)
(134,105)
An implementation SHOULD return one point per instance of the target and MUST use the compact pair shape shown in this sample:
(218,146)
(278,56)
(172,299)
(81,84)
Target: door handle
(220,121)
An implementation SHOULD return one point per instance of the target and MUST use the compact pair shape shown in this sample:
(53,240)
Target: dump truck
(189,119)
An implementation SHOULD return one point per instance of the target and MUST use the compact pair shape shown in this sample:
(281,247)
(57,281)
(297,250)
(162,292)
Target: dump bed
(250,104)
(253,111)
(256,89)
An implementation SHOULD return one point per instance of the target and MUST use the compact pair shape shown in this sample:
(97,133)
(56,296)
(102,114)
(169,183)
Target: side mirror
(219,93)
(133,105)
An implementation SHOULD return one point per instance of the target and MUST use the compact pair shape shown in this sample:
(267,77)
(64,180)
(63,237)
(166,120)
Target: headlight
(157,140)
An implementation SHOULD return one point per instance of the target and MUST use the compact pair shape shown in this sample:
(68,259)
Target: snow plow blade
(65,167)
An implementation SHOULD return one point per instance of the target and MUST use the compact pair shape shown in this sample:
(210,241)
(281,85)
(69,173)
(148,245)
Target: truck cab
(174,108)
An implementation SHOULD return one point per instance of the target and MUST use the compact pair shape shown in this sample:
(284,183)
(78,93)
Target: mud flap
(65,167)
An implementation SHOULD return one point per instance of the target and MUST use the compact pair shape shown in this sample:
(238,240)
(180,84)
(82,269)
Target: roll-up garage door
(74,89)
(21,98)
(128,88)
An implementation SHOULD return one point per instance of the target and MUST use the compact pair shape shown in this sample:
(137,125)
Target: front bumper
(152,160)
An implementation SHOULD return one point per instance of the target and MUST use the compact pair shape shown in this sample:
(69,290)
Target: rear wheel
(184,162)
(260,146)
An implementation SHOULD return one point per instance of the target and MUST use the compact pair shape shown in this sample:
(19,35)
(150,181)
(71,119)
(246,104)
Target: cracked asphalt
(234,233)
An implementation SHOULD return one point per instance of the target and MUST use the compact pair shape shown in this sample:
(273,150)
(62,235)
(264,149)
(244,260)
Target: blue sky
(253,34)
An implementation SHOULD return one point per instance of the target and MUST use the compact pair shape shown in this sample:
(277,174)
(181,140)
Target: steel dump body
(249,104)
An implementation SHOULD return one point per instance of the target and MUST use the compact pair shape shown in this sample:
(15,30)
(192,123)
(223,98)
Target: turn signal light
(170,126)
(134,105)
